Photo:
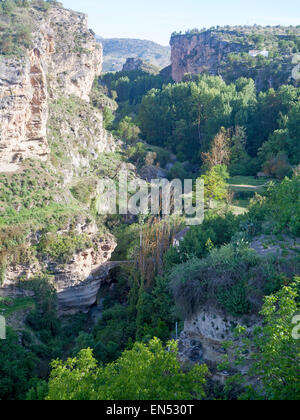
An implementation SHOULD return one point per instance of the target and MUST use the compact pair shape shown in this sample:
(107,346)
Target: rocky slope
(204,335)
(265,54)
(136,64)
(76,281)
(63,60)
(52,137)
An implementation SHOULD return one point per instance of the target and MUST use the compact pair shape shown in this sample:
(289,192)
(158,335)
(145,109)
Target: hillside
(269,55)
(116,51)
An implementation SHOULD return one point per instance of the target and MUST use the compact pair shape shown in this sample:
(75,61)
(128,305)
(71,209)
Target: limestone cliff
(64,60)
(199,53)
(46,115)
(76,281)
(203,337)
(267,55)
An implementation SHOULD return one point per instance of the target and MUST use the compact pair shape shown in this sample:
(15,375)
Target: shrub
(61,248)
(215,231)
(201,282)
(234,299)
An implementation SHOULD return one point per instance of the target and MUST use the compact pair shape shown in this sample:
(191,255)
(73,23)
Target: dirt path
(254,187)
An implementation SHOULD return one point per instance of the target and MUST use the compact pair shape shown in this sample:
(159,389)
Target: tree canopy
(147,372)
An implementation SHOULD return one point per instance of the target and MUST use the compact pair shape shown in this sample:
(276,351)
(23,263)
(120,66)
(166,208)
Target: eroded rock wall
(77,282)
(199,53)
(204,335)
(64,60)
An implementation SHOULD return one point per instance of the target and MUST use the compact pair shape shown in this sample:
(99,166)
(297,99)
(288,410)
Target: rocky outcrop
(203,338)
(132,64)
(76,58)
(231,53)
(150,172)
(77,282)
(199,53)
(23,110)
(64,60)
(136,64)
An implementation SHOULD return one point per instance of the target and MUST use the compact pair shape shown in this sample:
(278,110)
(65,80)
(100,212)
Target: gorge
(117,306)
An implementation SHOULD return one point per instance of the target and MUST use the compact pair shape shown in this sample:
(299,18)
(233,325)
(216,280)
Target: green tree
(147,372)
(128,130)
(276,353)
(239,160)
(16,368)
(185,117)
(8,6)
(215,186)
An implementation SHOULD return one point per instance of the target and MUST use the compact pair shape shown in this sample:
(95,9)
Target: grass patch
(9,306)
(245,182)
(47,215)
(244,189)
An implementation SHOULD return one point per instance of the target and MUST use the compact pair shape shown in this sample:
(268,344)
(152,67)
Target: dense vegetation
(184,118)
(191,114)
(139,374)
(26,353)
(204,272)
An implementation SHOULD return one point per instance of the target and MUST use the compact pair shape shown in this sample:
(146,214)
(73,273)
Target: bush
(280,207)
(16,368)
(234,299)
(215,231)
(202,282)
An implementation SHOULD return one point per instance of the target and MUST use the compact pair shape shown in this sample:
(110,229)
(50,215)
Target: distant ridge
(117,50)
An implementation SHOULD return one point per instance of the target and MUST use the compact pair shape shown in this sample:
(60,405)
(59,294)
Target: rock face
(199,53)
(77,282)
(132,64)
(231,53)
(23,110)
(64,60)
(203,337)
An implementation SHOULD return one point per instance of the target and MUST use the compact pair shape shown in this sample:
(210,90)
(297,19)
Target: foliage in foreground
(147,372)
(274,351)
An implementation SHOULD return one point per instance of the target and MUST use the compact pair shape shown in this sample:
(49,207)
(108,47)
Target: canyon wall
(45,102)
(234,53)
(199,53)
(77,281)
(64,60)
(203,338)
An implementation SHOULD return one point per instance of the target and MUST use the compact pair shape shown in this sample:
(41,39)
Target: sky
(155,20)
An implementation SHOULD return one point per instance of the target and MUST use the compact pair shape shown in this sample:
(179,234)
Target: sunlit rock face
(199,53)
(64,60)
